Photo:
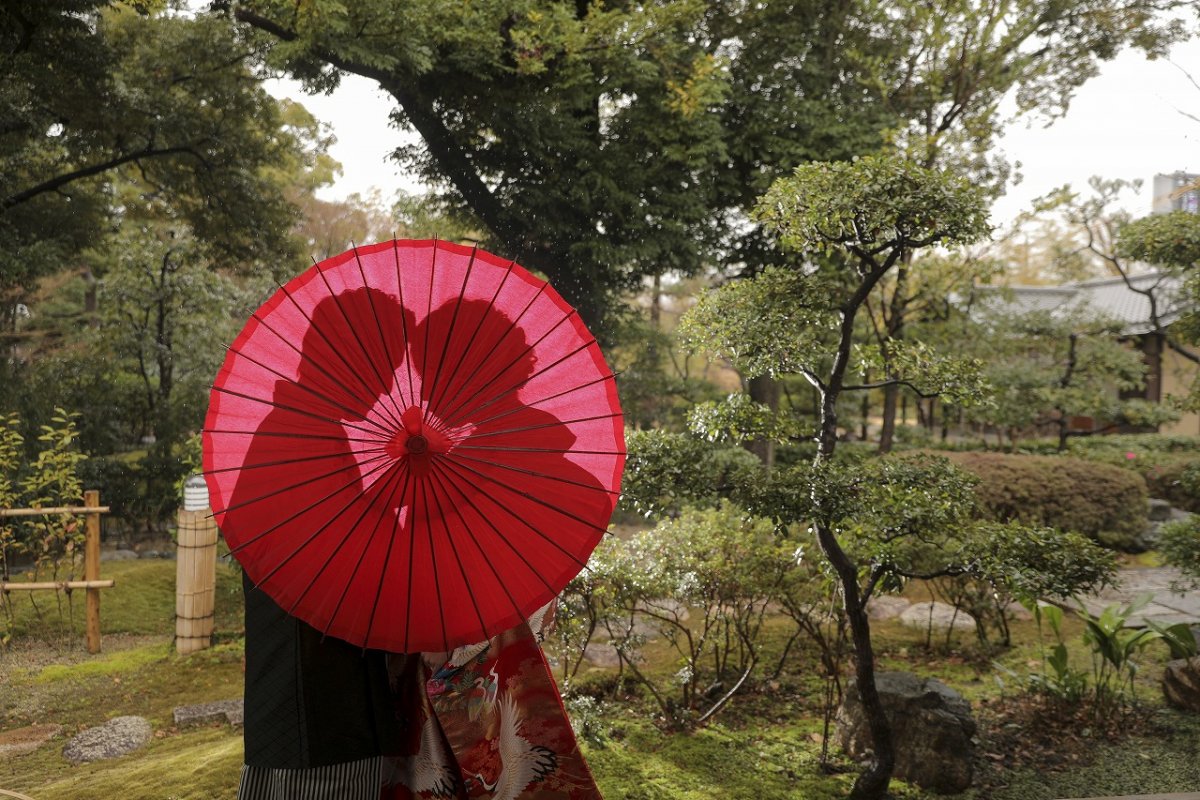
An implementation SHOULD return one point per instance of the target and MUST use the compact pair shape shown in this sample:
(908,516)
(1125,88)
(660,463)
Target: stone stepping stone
(231,712)
(115,738)
(939,616)
(20,741)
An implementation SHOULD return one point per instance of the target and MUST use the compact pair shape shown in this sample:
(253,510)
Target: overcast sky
(1125,123)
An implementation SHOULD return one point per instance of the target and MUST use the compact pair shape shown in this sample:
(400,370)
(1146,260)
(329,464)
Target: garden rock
(1159,510)
(231,712)
(1181,683)
(939,616)
(118,555)
(886,607)
(114,738)
(932,728)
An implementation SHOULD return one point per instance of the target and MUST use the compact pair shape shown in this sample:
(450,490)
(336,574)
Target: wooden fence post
(91,568)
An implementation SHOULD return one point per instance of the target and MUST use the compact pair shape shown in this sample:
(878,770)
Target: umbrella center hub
(417,444)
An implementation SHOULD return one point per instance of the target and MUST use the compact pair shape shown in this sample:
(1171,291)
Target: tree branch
(59,181)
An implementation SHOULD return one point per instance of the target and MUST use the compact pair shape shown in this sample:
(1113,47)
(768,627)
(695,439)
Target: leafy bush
(1176,481)
(1179,543)
(1105,503)
(667,471)
(702,582)
(1137,443)
(1169,464)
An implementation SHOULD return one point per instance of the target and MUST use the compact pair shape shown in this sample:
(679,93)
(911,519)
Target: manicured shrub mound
(1103,502)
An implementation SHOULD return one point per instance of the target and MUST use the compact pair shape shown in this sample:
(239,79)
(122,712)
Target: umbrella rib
(309,389)
(525,522)
(537,500)
(387,557)
(408,602)
(437,584)
(393,475)
(532,403)
(497,397)
(379,327)
(262,321)
(458,559)
(512,324)
(337,301)
(310,507)
(540,450)
(532,473)
(286,461)
(313,537)
(290,435)
(412,392)
(475,333)
(437,374)
(458,412)
(545,425)
(444,483)
(428,314)
(285,407)
(312,326)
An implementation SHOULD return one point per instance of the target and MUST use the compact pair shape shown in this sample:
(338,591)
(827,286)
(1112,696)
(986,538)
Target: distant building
(1179,191)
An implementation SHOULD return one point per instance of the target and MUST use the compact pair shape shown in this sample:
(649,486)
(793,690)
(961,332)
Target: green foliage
(51,542)
(1105,503)
(1169,240)
(1177,481)
(1114,650)
(776,323)
(1065,683)
(1179,545)
(667,471)
(873,204)
(95,94)
(737,419)
(1046,368)
(1180,638)
(1035,563)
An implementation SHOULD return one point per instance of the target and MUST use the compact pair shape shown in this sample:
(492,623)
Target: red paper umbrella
(413,446)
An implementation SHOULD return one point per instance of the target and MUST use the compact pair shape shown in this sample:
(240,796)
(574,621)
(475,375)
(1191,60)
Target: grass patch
(198,765)
(104,664)
(142,603)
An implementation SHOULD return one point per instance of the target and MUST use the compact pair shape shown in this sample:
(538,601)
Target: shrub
(667,471)
(1179,544)
(1177,482)
(1103,502)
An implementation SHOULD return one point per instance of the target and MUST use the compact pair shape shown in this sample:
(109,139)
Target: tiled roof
(1108,297)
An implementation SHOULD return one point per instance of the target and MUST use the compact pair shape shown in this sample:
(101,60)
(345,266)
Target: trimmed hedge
(1103,502)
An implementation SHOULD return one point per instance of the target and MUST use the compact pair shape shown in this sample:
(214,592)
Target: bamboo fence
(91,583)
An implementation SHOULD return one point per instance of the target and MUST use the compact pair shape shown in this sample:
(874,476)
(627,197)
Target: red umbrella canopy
(414,445)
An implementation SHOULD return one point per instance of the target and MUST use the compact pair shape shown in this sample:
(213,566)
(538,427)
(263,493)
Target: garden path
(1168,606)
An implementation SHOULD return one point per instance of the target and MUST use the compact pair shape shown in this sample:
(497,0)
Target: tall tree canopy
(596,142)
(602,142)
(94,90)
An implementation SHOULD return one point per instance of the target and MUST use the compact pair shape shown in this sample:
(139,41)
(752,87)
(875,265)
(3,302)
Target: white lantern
(195,494)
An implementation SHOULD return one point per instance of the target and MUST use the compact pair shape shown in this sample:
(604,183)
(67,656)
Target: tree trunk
(764,389)
(887,431)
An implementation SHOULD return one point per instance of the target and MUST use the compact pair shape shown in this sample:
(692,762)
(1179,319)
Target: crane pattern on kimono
(522,761)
